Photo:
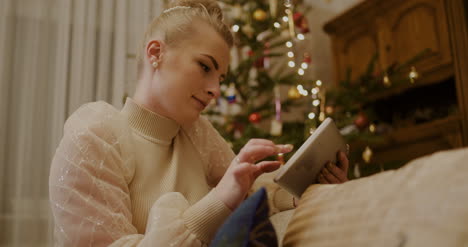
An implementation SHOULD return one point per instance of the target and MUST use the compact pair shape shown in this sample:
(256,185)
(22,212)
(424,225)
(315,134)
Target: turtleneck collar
(149,123)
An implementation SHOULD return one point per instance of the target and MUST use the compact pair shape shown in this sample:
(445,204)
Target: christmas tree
(353,107)
(266,77)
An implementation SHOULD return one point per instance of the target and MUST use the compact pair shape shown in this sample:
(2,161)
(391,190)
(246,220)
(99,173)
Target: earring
(155,64)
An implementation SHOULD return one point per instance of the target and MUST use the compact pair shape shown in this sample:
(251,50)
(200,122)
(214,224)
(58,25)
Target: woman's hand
(335,173)
(243,171)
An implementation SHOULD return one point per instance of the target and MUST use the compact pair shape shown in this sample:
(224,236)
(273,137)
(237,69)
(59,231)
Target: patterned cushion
(248,225)
(425,203)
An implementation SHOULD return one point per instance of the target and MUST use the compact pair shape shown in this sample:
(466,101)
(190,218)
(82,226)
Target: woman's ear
(154,52)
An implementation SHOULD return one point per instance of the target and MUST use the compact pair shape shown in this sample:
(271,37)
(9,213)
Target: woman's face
(188,75)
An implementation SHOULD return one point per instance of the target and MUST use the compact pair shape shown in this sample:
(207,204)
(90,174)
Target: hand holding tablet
(304,167)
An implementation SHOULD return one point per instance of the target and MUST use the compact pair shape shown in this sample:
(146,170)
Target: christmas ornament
(329,110)
(259,15)
(413,75)
(321,116)
(248,30)
(255,117)
(276,128)
(293,93)
(231,93)
(372,128)
(280,158)
(361,120)
(357,171)
(386,81)
(300,22)
(367,155)
(307,58)
(260,63)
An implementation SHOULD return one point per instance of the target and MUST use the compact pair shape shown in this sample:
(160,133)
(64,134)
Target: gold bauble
(386,81)
(259,15)
(329,109)
(367,154)
(293,93)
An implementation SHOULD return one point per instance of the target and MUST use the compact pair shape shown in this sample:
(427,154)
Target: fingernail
(288,147)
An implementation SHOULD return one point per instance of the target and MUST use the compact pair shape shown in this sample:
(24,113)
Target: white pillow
(425,203)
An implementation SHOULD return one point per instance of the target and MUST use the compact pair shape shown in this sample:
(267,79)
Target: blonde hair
(176,22)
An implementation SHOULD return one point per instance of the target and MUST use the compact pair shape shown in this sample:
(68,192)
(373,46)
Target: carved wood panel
(412,26)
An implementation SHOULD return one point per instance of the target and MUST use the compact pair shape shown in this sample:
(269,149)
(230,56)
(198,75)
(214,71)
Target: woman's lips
(202,103)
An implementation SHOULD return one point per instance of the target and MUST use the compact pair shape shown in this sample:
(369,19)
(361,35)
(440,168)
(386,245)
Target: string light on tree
(315,90)
(235,28)
(413,75)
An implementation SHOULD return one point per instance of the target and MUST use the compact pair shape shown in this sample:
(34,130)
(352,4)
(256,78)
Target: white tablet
(304,166)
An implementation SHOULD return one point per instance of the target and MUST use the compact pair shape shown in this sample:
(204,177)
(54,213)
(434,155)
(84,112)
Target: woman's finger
(322,179)
(257,141)
(252,153)
(265,167)
(344,162)
(329,176)
(337,172)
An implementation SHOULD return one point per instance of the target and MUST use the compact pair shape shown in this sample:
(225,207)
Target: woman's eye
(204,67)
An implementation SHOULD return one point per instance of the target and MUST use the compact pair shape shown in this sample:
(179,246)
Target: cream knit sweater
(135,178)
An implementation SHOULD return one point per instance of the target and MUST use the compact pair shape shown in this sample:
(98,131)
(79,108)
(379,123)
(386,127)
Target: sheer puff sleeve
(89,195)
(216,153)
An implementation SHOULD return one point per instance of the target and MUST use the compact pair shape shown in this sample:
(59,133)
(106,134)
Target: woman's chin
(189,119)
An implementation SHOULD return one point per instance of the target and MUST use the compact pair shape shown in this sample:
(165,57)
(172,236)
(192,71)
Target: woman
(156,173)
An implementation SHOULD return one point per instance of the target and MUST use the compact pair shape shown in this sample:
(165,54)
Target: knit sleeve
(89,194)
(214,151)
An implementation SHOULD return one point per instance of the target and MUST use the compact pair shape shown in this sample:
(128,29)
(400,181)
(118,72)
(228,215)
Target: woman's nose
(213,89)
